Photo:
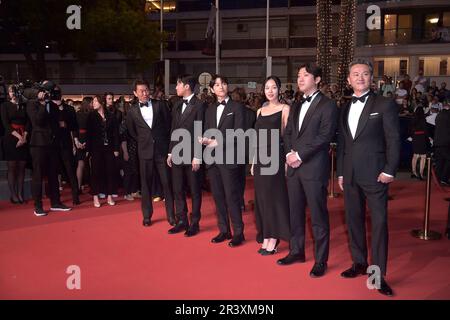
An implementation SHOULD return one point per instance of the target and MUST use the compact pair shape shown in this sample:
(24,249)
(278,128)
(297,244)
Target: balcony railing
(397,36)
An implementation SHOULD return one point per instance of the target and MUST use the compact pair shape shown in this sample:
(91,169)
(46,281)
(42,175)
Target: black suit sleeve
(326,133)
(340,146)
(131,125)
(200,116)
(173,124)
(289,130)
(392,137)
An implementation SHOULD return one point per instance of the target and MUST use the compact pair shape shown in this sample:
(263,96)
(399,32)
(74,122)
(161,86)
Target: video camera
(50,90)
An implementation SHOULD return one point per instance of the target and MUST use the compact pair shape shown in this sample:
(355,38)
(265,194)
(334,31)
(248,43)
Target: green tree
(106,25)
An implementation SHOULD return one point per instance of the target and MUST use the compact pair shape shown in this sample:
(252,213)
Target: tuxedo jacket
(376,146)
(233,117)
(45,127)
(195,111)
(312,142)
(152,141)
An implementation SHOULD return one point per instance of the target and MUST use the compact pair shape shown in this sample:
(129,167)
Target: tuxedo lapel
(346,112)
(312,108)
(365,115)
(226,110)
(155,106)
(188,110)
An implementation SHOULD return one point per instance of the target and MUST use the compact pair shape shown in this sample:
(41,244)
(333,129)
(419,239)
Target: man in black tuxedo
(225,177)
(148,122)
(186,164)
(367,159)
(44,149)
(310,129)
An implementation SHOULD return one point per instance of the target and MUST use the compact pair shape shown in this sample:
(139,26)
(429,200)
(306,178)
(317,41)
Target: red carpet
(120,259)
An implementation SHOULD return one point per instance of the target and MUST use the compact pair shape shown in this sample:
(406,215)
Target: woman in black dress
(17,125)
(102,142)
(271,196)
(420,142)
(82,112)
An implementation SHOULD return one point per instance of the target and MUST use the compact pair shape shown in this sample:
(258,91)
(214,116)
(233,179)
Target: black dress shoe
(172,222)
(14,201)
(221,237)
(236,241)
(147,223)
(290,259)
(179,227)
(355,270)
(192,231)
(318,270)
(385,289)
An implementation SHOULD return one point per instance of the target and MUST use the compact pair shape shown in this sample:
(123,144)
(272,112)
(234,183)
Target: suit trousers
(148,168)
(311,193)
(45,160)
(355,197)
(226,186)
(182,174)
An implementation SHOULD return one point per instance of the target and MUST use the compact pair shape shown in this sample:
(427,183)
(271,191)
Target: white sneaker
(128,197)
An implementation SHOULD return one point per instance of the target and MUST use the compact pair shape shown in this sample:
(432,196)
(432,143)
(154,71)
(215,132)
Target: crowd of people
(133,146)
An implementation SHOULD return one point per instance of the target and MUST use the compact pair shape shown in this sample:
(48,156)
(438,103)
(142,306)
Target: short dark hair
(140,82)
(361,61)
(109,93)
(311,68)
(215,77)
(188,79)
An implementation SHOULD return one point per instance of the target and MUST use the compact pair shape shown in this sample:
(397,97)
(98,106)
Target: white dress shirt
(304,109)
(220,108)
(184,104)
(354,114)
(147,113)
(301,117)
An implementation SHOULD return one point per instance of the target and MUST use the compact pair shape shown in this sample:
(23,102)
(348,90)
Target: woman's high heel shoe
(266,252)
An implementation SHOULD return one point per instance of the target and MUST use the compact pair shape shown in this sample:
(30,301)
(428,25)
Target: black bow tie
(362,98)
(306,99)
(221,102)
(143,104)
(185,101)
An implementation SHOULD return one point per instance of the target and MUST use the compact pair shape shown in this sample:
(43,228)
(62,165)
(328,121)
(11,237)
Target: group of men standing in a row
(367,160)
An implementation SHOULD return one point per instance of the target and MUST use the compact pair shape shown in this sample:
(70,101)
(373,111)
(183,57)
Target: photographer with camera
(17,126)
(44,148)
(68,140)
